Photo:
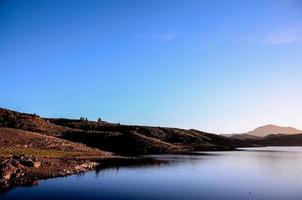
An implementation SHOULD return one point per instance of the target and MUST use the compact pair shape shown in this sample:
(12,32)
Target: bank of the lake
(257,173)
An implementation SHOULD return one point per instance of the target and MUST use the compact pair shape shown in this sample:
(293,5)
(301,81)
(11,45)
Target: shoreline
(14,174)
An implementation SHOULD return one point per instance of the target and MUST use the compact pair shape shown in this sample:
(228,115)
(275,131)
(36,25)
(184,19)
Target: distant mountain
(264,131)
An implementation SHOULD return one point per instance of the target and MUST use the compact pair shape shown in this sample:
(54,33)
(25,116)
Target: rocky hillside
(124,139)
(281,140)
(28,122)
(14,142)
(120,139)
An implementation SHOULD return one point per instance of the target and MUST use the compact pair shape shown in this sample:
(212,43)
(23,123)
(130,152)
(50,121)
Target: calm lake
(253,173)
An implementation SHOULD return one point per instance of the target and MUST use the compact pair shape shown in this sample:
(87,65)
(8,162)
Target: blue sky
(218,66)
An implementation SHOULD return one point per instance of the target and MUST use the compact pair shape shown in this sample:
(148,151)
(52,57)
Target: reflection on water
(255,173)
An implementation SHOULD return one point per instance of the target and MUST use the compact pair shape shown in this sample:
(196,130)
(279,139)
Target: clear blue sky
(219,66)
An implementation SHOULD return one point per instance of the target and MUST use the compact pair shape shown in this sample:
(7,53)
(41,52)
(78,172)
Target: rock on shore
(16,167)
(27,170)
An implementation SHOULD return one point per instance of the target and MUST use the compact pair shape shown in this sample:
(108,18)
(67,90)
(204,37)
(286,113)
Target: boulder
(37,164)
(85,166)
(29,161)
(7,170)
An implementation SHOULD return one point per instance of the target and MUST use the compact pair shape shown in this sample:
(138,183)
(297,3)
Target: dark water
(261,173)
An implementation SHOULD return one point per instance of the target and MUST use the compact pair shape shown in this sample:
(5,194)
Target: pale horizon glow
(219,66)
(288,35)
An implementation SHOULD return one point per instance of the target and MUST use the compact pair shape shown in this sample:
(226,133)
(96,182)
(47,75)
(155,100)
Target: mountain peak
(270,129)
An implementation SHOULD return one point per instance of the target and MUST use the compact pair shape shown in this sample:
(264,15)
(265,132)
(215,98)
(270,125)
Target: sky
(222,66)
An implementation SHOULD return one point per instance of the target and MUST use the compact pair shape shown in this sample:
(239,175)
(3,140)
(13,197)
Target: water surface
(254,173)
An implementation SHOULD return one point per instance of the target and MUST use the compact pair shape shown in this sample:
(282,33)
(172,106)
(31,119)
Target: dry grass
(19,142)
(46,153)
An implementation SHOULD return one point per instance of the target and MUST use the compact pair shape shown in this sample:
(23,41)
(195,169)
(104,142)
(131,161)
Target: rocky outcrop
(28,161)
(7,171)
(16,167)
(27,170)
(85,166)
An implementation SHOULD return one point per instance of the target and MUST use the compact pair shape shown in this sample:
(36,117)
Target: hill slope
(120,139)
(14,141)
(281,140)
(29,122)
(245,137)
(125,139)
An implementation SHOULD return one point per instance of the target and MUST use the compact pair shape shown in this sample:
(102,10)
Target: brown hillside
(142,139)
(13,141)
(281,140)
(29,122)
(121,139)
